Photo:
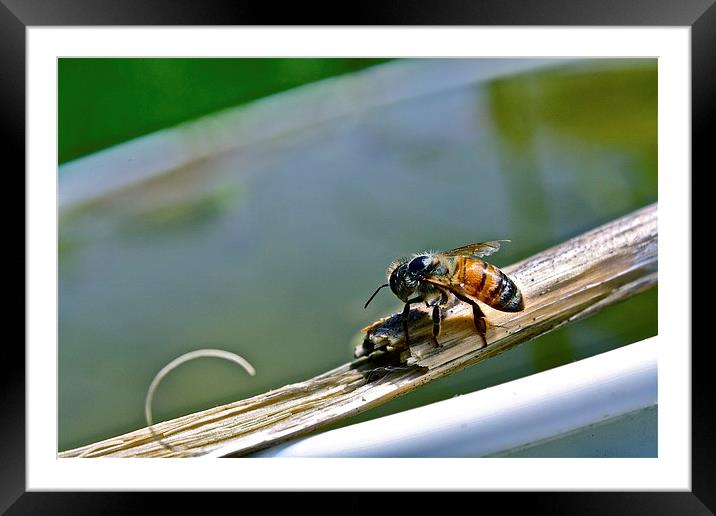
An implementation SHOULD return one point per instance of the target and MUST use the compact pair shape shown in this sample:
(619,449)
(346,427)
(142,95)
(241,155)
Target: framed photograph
(244,188)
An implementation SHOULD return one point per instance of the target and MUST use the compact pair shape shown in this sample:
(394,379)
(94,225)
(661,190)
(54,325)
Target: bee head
(405,276)
(400,283)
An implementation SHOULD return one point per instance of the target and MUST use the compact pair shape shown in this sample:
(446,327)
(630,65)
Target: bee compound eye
(393,282)
(419,264)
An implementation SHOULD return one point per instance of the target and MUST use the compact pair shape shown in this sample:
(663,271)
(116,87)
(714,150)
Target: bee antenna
(374,293)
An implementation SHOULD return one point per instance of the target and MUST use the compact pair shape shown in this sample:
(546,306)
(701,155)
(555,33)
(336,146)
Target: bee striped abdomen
(490,285)
(510,297)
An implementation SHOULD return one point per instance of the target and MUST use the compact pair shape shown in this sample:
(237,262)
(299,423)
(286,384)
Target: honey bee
(432,276)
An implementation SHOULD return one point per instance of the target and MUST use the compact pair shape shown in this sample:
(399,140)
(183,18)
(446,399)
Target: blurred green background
(102,102)
(269,245)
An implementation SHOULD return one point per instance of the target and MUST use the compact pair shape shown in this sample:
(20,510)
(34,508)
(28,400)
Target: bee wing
(479,249)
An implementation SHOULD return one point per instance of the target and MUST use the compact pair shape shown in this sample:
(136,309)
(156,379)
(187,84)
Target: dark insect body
(431,277)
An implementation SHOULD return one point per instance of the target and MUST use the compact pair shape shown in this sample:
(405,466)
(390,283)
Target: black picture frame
(17,15)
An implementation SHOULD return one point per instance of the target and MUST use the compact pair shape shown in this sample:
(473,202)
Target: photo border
(700,16)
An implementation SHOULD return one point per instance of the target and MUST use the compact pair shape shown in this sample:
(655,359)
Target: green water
(271,250)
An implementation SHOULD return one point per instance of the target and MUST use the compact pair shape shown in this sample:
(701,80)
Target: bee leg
(404,322)
(480,324)
(406,312)
(436,325)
